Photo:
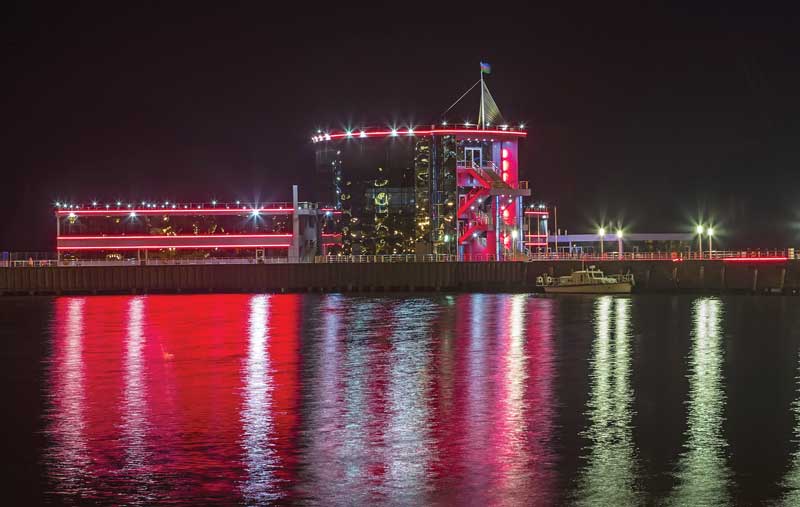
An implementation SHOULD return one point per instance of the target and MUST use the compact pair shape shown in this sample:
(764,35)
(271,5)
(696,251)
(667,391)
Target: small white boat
(586,281)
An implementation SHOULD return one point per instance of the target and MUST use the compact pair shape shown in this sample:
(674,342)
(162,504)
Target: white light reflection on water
(513,459)
(69,456)
(791,482)
(343,429)
(407,437)
(259,454)
(609,476)
(702,473)
(135,426)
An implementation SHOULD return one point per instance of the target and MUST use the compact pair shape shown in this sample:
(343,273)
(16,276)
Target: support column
(294,249)
(58,234)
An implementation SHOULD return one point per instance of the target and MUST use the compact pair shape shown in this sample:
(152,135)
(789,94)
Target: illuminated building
(168,230)
(438,188)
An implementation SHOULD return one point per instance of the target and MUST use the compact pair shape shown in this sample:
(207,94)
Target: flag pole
(482,113)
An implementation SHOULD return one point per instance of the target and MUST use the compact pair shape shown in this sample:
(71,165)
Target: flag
(486,68)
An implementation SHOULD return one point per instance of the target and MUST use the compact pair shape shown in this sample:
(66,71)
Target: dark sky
(650,116)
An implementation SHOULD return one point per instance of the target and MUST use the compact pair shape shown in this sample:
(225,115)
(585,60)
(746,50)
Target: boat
(586,281)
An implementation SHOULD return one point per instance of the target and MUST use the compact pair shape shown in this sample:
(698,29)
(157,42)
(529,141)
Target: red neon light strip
(154,211)
(535,244)
(545,213)
(755,259)
(399,133)
(181,236)
(166,247)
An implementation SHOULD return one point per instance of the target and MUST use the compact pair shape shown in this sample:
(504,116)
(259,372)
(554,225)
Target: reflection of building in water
(258,426)
(609,475)
(135,424)
(792,480)
(702,472)
(407,431)
(524,403)
(270,404)
(69,460)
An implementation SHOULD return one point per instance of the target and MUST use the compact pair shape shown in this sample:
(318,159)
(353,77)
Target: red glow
(505,175)
(506,164)
(505,213)
(505,154)
(174,211)
(543,213)
(165,247)
(387,133)
(756,259)
(182,236)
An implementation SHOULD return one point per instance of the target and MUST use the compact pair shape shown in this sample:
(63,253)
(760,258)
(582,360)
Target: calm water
(465,399)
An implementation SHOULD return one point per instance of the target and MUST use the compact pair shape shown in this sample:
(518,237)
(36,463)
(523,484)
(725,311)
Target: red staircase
(480,227)
(472,196)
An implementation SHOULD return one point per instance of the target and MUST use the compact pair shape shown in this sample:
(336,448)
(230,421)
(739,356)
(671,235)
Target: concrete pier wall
(655,276)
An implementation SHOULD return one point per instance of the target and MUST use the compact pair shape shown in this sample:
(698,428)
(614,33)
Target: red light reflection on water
(264,398)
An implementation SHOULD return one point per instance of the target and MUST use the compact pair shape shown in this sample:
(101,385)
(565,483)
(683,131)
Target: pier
(750,275)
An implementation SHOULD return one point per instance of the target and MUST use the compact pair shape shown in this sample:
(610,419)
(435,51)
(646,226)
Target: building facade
(444,189)
(167,231)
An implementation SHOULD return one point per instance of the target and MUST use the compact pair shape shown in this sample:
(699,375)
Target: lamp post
(710,233)
(602,233)
(619,243)
(699,231)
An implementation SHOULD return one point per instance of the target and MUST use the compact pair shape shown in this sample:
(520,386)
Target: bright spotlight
(699,229)
(601,232)
(619,233)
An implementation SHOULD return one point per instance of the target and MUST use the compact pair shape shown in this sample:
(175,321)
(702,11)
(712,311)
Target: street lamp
(602,233)
(619,243)
(710,233)
(699,229)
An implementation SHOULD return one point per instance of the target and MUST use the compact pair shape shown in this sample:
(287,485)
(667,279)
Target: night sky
(651,117)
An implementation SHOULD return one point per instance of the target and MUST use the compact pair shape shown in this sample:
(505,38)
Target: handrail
(721,255)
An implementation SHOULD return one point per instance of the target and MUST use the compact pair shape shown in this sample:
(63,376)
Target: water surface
(448,399)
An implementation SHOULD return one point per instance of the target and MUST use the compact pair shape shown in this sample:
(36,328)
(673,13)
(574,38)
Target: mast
(482,112)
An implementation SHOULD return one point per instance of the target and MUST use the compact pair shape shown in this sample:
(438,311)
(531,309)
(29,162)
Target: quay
(773,274)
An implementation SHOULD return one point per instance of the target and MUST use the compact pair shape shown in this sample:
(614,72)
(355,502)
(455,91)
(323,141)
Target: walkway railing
(659,256)
(743,255)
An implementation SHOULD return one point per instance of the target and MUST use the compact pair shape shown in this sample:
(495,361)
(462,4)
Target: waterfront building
(163,231)
(438,188)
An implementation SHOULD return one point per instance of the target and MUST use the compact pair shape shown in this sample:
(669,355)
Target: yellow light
(699,229)
(619,233)
(601,232)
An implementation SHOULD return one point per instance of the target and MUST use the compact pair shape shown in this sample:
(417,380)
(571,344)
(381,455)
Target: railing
(659,256)
(726,255)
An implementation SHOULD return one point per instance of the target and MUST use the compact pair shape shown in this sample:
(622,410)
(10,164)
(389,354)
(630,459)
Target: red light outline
(545,213)
(167,247)
(166,211)
(180,236)
(388,133)
(755,259)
